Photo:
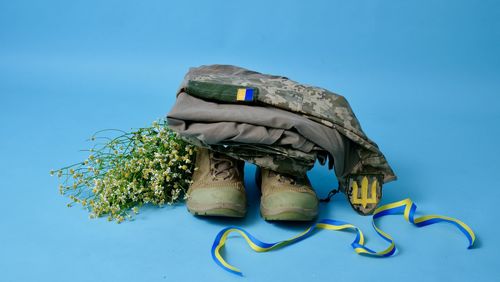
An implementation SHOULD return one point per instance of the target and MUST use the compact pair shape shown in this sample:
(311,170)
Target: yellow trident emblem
(364,199)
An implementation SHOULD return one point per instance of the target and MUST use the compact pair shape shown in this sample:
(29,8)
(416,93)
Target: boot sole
(288,214)
(217,210)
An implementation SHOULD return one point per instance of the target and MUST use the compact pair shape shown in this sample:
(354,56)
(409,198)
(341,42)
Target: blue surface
(422,76)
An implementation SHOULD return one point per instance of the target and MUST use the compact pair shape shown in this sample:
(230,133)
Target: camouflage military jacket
(235,85)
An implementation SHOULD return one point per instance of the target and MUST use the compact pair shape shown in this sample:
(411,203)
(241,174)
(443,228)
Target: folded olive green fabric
(269,137)
(252,116)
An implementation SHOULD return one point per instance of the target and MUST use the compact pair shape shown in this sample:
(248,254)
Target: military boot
(217,188)
(286,197)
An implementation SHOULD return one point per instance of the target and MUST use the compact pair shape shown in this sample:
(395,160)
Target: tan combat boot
(217,188)
(286,197)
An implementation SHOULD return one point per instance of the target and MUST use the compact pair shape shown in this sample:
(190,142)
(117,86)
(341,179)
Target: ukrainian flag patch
(244,94)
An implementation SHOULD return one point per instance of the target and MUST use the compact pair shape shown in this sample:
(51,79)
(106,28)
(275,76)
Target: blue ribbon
(405,207)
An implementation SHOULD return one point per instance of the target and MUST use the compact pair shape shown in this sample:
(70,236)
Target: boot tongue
(222,167)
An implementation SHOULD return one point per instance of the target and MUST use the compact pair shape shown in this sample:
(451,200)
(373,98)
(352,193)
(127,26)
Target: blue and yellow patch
(244,94)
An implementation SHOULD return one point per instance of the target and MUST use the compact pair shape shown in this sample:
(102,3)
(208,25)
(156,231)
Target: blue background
(423,77)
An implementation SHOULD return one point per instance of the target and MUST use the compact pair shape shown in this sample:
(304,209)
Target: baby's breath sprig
(123,172)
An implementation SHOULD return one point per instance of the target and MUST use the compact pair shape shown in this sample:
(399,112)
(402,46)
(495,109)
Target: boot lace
(222,167)
(283,178)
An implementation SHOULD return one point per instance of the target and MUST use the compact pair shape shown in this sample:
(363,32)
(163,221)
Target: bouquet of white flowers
(129,169)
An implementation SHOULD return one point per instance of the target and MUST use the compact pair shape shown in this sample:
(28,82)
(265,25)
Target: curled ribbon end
(239,273)
(471,245)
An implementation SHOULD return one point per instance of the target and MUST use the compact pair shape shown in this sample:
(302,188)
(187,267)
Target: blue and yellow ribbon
(405,207)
